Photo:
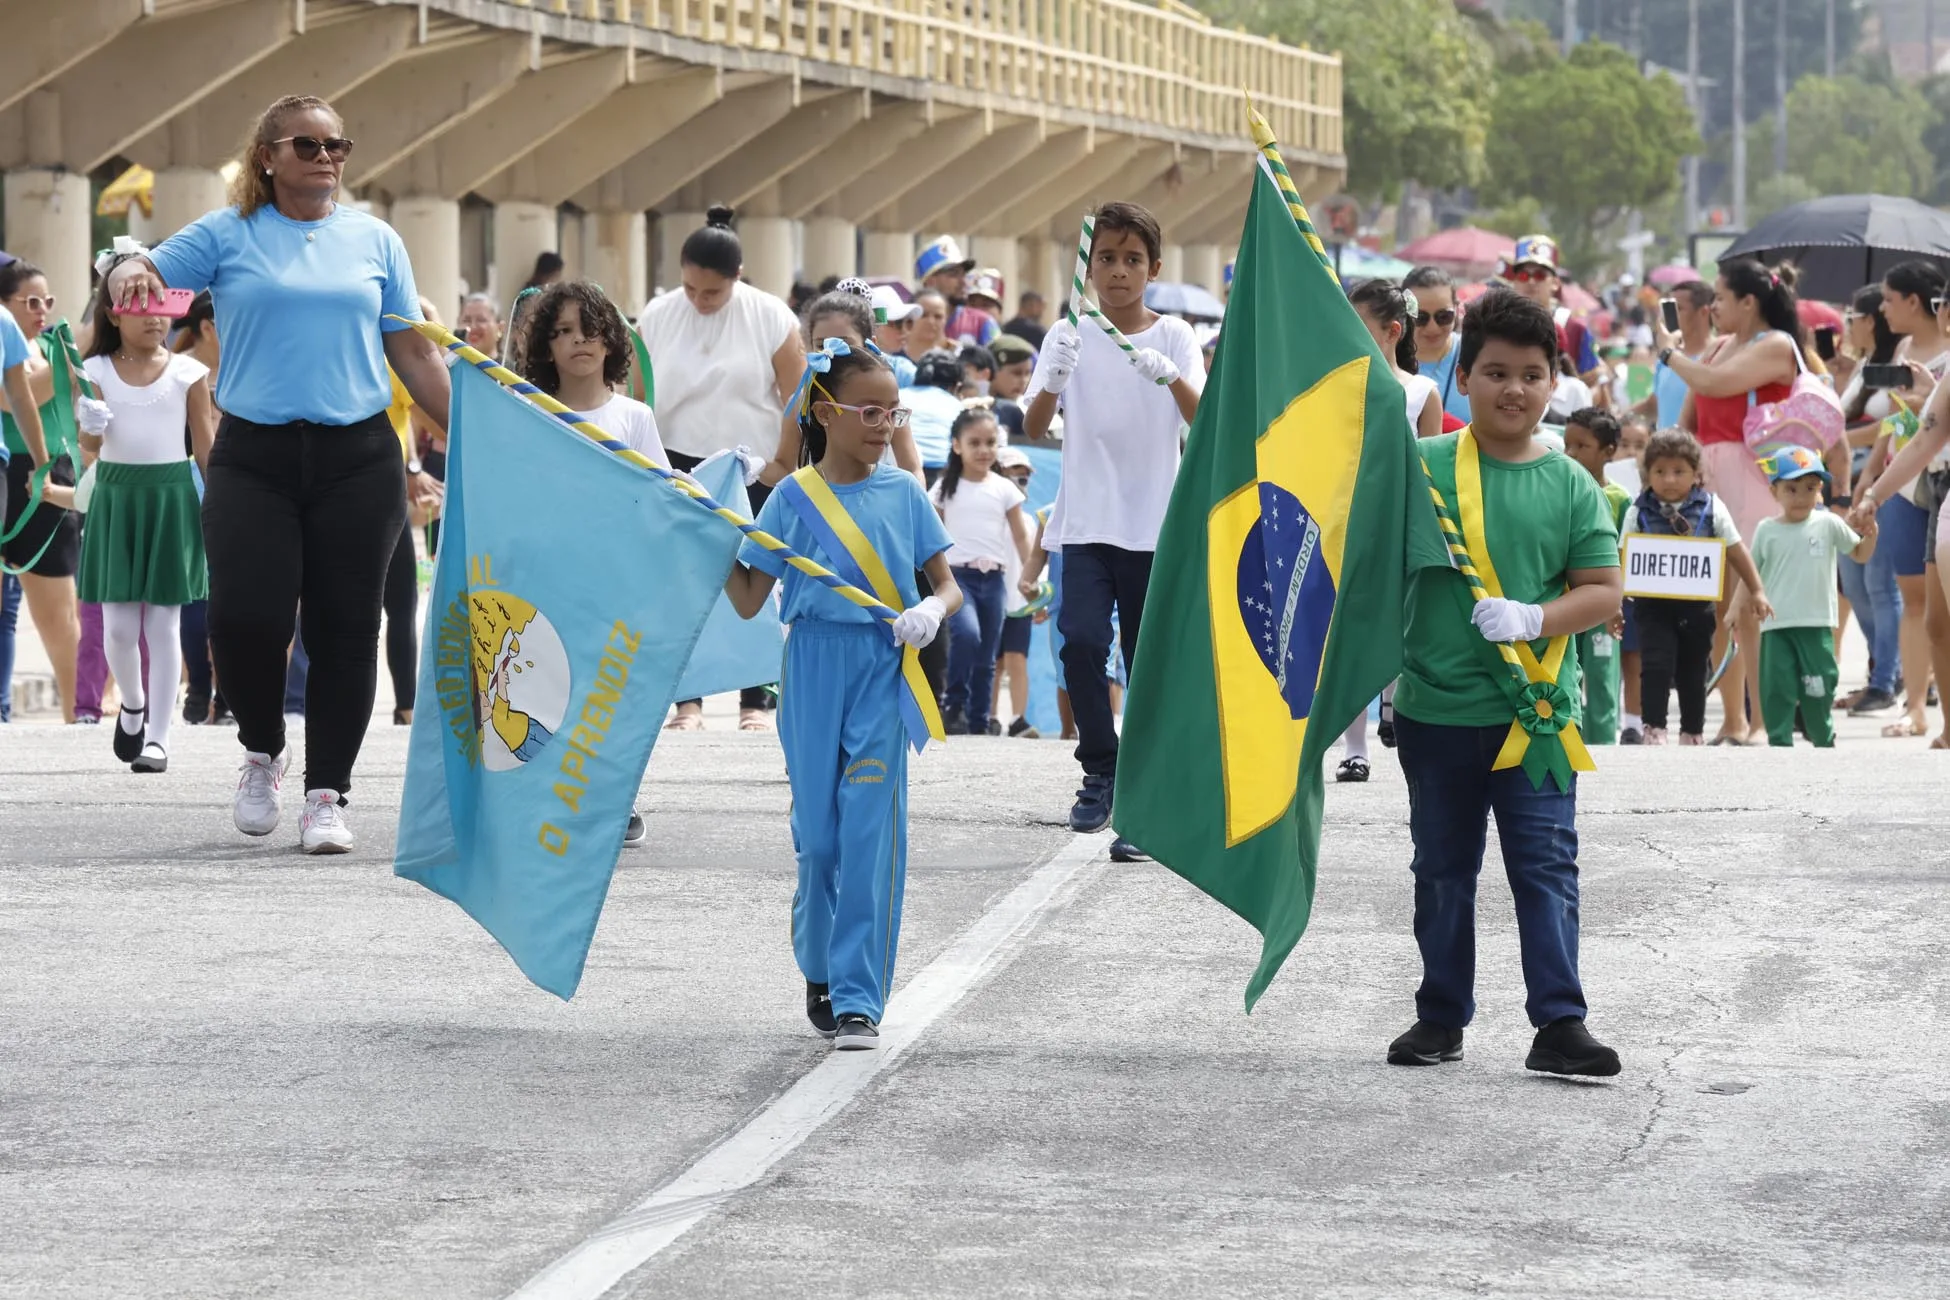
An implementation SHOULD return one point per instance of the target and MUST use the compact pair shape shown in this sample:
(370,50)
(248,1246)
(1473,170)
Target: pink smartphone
(175,304)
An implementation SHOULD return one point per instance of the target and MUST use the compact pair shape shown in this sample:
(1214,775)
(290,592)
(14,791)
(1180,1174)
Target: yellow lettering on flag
(1274,551)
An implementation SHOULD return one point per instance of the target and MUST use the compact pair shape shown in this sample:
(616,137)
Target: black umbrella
(1845,241)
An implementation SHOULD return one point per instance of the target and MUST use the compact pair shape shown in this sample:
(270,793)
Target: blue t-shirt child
(301,307)
(897,518)
(1443,372)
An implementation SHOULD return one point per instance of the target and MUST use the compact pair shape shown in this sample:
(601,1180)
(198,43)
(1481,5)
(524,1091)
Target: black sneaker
(855,1033)
(196,709)
(1871,701)
(819,1009)
(1385,729)
(1427,1043)
(995,726)
(1567,1047)
(1021,730)
(636,832)
(1631,736)
(1092,810)
(1352,769)
(128,744)
(1122,850)
(954,723)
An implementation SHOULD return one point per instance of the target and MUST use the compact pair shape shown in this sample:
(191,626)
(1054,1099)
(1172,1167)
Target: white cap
(888,307)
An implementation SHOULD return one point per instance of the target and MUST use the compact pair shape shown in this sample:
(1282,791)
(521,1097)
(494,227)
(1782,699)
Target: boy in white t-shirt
(1122,418)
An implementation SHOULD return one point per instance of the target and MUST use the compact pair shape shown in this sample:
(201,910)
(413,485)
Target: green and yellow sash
(850,552)
(1542,740)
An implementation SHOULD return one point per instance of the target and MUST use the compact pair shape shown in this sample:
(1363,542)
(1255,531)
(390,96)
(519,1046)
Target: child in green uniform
(1591,439)
(1543,545)
(1797,557)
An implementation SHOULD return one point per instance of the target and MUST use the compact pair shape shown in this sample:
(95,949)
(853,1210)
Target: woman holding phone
(1912,294)
(306,492)
(1755,360)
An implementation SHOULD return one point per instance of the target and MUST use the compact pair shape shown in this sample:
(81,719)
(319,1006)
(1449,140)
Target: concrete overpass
(490,130)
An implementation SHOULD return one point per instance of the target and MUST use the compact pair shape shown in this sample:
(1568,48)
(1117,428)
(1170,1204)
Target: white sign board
(1674,568)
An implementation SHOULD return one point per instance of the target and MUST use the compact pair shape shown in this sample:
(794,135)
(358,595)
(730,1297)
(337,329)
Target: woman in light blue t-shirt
(1437,345)
(306,497)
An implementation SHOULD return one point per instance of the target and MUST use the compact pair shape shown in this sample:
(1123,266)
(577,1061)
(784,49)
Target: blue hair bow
(818,361)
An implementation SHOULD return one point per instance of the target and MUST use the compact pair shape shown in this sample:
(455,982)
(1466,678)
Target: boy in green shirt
(1591,439)
(1796,554)
(1543,545)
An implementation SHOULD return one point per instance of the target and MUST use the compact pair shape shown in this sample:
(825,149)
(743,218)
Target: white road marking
(625,1243)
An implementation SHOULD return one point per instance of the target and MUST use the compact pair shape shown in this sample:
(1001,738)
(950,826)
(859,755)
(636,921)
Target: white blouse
(148,425)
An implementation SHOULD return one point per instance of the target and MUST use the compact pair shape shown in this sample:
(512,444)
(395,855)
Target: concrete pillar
(522,231)
(47,224)
(832,248)
(673,228)
(1001,253)
(180,196)
(891,253)
(1204,266)
(769,259)
(574,246)
(430,229)
(1173,260)
(616,255)
(1061,268)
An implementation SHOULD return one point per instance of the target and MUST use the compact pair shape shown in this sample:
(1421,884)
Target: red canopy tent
(1465,251)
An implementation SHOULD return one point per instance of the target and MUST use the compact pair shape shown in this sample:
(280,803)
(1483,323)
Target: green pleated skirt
(142,541)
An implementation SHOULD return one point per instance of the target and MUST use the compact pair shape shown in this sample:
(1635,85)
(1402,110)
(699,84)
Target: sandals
(753,720)
(1352,769)
(685,722)
(1909,727)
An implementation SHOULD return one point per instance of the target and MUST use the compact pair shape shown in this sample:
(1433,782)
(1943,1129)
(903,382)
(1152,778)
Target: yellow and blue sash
(1542,740)
(853,557)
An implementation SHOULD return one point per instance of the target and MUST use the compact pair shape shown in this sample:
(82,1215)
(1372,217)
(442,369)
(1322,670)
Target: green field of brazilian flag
(1275,610)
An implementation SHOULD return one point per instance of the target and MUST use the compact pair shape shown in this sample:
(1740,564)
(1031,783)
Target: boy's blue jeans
(1451,792)
(974,640)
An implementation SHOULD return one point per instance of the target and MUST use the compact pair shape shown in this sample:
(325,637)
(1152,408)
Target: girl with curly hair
(578,352)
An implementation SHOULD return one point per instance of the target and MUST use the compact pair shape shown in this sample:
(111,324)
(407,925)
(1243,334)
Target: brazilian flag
(1274,614)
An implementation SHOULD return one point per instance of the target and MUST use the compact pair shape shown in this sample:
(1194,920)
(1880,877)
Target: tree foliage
(1847,135)
(1586,136)
(1656,30)
(1415,79)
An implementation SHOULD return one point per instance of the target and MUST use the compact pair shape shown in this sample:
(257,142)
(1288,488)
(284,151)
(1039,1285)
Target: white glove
(1155,365)
(1507,620)
(917,627)
(749,461)
(1060,348)
(92,416)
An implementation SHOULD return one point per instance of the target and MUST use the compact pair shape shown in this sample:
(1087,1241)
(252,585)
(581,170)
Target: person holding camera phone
(1689,315)
(1912,301)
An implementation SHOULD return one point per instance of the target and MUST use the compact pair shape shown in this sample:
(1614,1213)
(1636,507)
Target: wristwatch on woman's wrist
(413,466)
(1665,356)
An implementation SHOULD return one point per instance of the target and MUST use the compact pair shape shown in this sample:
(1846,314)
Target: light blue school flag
(552,652)
(734,652)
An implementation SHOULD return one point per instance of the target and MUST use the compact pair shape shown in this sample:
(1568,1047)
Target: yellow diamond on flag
(1275,549)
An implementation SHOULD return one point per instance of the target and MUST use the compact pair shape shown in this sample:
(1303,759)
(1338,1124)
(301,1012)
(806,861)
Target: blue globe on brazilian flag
(1275,608)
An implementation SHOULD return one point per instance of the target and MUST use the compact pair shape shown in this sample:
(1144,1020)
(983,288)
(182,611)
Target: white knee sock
(162,625)
(122,647)
(1355,739)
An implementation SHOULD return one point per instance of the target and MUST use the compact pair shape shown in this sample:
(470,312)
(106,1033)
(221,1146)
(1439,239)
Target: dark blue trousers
(1451,793)
(974,640)
(1097,580)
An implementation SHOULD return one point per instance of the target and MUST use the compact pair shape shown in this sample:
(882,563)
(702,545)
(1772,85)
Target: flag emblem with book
(550,659)
(1299,513)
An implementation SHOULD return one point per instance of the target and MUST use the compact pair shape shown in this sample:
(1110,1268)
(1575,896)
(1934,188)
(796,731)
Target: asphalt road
(229,1070)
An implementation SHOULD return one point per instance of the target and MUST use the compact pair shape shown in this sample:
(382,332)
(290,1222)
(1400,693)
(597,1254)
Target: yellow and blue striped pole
(515,383)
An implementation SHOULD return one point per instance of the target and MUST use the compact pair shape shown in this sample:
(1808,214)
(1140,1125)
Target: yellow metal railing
(1166,67)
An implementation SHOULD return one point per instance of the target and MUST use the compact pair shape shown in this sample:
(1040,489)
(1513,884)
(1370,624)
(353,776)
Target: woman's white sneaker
(259,785)
(323,828)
